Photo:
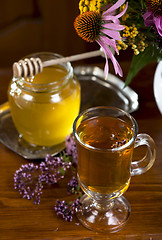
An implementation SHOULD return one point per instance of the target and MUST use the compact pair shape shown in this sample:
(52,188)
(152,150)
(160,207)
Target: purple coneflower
(153,15)
(104,29)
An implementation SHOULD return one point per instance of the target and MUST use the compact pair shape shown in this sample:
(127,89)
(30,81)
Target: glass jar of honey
(44,107)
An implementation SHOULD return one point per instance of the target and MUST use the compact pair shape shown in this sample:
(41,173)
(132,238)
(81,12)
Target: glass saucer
(11,139)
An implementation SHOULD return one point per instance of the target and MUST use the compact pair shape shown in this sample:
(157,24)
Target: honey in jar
(43,107)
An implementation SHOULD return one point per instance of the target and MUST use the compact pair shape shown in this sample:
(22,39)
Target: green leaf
(141,60)
(62,171)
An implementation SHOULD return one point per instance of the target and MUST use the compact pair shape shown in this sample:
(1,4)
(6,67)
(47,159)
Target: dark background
(28,26)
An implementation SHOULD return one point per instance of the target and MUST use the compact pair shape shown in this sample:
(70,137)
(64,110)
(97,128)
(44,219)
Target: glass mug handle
(143,165)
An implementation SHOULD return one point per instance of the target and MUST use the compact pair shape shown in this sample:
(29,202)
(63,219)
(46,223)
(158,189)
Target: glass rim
(134,127)
(42,86)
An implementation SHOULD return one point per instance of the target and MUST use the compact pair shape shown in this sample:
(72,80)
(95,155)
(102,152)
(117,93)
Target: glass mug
(106,138)
(44,107)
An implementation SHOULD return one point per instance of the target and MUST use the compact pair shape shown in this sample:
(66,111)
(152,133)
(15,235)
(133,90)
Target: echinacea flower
(150,20)
(153,15)
(104,29)
(155,6)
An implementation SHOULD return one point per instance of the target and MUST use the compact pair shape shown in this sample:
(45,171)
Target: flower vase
(158,86)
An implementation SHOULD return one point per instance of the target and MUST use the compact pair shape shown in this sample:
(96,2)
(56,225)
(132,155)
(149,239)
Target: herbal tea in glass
(96,168)
(105,139)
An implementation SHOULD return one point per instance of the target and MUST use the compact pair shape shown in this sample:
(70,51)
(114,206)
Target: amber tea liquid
(101,170)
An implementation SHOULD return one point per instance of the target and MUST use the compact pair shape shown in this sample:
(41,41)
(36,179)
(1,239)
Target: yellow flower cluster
(140,45)
(91,5)
(132,38)
(126,15)
(130,32)
(122,45)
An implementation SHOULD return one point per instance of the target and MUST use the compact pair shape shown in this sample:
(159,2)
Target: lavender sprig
(30,179)
(71,148)
(73,186)
(67,210)
(27,182)
(53,169)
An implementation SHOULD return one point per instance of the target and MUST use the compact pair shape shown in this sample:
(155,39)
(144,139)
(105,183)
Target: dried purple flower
(29,179)
(76,205)
(119,143)
(53,169)
(73,185)
(28,183)
(63,208)
(67,210)
(71,148)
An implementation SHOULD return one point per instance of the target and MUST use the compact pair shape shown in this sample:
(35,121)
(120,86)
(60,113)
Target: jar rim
(41,87)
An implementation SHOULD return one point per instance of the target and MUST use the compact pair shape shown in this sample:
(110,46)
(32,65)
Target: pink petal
(123,12)
(113,26)
(111,17)
(111,33)
(109,42)
(148,18)
(151,20)
(117,67)
(158,24)
(106,68)
(147,14)
(116,21)
(114,7)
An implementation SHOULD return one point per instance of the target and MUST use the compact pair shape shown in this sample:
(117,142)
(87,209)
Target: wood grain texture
(20,219)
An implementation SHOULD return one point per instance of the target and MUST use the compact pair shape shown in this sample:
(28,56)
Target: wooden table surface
(21,219)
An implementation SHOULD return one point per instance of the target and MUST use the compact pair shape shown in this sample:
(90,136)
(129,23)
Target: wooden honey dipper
(32,66)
